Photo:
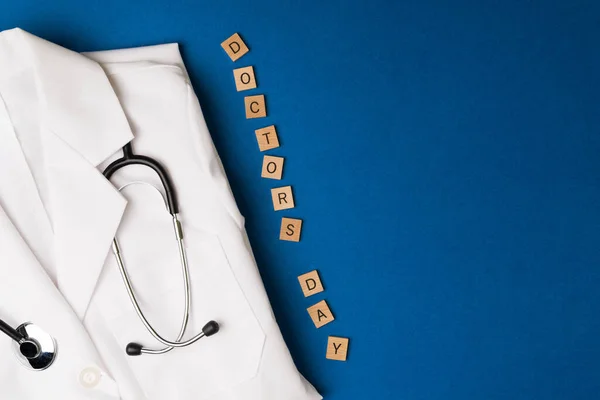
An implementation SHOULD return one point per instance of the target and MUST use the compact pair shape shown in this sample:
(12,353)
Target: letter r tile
(283,198)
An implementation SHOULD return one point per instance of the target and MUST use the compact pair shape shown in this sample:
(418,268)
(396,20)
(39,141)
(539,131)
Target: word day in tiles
(283,196)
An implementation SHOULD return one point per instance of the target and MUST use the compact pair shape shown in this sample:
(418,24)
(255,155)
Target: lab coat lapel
(84,124)
(87,211)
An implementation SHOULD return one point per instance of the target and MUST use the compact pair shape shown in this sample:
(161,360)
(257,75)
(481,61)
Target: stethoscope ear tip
(210,328)
(133,349)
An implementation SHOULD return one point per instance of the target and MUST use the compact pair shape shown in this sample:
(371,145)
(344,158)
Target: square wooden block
(235,47)
(244,78)
(290,229)
(255,106)
(267,138)
(337,348)
(310,283)
(283,198)
(272,167)
(320,314)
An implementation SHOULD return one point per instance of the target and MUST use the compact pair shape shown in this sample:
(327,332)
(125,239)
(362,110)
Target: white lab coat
(63,117)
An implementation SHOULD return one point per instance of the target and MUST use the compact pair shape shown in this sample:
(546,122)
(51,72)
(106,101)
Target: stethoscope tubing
(185,272)
(186,278)
(11,332)
(170,200)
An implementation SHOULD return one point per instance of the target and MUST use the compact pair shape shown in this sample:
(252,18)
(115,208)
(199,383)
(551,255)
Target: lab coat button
(89,377)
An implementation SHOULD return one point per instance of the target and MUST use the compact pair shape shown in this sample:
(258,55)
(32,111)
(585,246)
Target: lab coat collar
(84,124)
(80,103)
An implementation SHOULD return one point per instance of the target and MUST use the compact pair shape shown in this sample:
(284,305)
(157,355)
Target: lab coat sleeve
(27,294)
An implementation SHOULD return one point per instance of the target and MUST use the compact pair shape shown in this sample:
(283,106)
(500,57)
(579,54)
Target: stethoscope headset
(37,350)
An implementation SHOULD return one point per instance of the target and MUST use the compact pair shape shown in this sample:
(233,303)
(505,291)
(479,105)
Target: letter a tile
(320,314)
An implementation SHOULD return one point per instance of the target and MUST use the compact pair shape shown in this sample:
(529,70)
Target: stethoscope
(135,349)
(37,350)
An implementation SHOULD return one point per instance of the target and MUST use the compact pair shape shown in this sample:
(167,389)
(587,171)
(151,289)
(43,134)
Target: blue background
(444,158)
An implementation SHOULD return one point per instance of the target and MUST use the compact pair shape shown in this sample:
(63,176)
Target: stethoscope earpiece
(210,328)
(134,349)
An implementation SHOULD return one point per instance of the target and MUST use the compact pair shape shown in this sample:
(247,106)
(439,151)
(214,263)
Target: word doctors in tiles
(255,106)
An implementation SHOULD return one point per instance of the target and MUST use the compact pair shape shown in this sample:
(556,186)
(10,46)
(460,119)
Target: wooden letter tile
(255,106)
(235,47)
(282,198)
(267,138)
(244,78)
(337,348)
(310,283)
(290,229)
(320,314)
(272,167)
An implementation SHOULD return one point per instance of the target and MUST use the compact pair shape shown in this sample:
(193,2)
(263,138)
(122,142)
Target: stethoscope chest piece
(38,351)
